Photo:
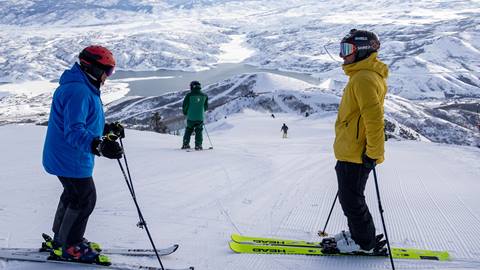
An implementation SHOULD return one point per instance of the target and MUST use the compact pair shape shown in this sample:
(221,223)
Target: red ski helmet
(96,60)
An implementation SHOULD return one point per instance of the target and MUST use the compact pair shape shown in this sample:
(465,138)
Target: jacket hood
(76,75)
(370,63)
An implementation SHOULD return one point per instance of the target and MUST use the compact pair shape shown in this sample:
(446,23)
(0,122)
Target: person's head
(195,86)
(358,45)
(98,62)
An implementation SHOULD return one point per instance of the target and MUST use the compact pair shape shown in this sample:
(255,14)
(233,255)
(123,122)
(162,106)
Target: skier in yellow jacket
(359,136)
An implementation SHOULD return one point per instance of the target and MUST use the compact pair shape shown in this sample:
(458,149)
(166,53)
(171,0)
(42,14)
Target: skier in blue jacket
(74,135)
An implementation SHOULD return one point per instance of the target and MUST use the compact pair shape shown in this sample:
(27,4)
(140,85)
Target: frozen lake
(154,83)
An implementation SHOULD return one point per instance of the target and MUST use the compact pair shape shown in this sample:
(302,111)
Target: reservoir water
(154,83)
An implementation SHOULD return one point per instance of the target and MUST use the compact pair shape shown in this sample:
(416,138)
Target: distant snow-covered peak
(269,82)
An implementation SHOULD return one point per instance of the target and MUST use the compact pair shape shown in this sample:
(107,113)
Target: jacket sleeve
(206,103)
(185,104)
(371,112)
(75,112)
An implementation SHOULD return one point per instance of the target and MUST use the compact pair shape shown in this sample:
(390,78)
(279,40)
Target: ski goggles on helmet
(109,71)
(347,49)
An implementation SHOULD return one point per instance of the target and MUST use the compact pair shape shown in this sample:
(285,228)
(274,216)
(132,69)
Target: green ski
(262,245)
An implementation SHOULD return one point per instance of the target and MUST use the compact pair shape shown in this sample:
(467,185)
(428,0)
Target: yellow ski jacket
(359,127)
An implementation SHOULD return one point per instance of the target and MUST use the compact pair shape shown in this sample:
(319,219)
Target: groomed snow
(270,81)
(254,183)
(235,51)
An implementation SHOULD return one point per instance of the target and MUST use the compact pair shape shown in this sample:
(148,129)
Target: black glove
(114,131)
(107,148)
(368,162)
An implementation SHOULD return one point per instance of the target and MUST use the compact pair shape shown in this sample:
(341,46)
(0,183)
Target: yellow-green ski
(272,241)
(283,250)
(261,245)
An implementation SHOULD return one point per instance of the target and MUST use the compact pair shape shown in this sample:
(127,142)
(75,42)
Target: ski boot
(50,244)
(380,248)
(340,243)
(79,253)
(343,243)
(198,147)
(186,146)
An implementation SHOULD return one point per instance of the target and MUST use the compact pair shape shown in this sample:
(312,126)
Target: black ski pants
(74,208)
(352,179)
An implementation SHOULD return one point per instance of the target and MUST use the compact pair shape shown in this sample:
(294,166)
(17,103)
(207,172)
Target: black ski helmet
(195,85)
(365,42)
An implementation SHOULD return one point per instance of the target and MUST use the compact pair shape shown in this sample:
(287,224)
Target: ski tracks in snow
(256,183)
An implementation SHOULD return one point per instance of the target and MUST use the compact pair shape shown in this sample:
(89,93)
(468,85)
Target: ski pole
(142,223)
(211,145)
(323,233)
(128,170)
(383,220)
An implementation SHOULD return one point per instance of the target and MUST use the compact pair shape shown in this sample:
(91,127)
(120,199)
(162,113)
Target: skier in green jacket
(195,104)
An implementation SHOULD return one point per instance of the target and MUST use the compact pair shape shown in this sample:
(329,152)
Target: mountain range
(431,48)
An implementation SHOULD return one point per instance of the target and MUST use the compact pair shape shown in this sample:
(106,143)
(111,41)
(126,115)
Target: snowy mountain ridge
(453,122)
(431,47)
(272,93)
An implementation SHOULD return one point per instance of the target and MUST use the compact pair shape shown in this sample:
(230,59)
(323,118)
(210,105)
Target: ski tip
(175,247)
(234,237)
(234,246)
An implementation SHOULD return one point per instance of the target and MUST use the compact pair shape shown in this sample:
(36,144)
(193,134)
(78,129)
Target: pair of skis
(109,251)
(42,255)
(262,245)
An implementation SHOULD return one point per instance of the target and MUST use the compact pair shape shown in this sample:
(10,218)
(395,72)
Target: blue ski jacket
(76,118)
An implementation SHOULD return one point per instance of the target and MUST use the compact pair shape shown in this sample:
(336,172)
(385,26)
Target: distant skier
(74,135)
(285,130)
(195,104)
(359,136)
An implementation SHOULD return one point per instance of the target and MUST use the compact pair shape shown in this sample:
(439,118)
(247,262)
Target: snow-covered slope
(253,182)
